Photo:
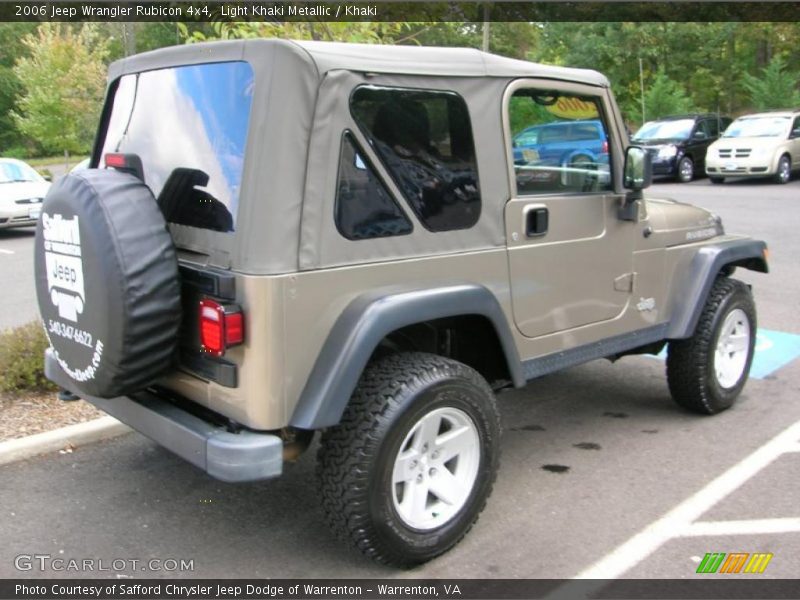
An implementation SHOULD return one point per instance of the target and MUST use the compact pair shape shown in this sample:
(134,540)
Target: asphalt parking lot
(643,489)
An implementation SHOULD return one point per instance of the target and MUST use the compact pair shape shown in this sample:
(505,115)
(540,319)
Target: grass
(53,160)
(22,359)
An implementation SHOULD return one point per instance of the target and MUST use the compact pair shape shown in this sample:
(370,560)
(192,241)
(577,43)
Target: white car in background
(759,145)
(22,191)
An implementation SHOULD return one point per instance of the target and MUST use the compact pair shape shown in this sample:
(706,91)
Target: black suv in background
(678,144)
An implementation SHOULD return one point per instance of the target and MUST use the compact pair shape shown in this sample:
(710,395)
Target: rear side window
(364,207)
(188,125)
(424,139)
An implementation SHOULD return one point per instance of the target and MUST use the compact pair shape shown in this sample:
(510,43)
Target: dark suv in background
(678,144)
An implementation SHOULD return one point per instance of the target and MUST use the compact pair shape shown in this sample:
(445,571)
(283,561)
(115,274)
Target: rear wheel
(706,373)
(408,470)
(784,172)
(685,170)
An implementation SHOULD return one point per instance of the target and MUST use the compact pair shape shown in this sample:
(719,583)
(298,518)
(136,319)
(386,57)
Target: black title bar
(388,589)
(360,10)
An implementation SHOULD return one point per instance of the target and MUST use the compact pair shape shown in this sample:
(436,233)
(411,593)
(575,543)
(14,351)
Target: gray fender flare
(702,273)
(366,321)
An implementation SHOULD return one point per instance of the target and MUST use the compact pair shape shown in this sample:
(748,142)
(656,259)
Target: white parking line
(4,251)
(751,527)
(679,520)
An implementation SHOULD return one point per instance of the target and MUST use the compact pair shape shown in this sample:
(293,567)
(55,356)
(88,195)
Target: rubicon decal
(734,562)
(62,245)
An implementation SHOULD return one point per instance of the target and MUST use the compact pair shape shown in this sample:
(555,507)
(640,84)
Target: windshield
(12,172)
(189,126)
(757,127)
(665,130)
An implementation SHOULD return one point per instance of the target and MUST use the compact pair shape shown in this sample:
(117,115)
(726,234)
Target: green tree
(665,97)
(63,81)
(508,39)
(11,47)
(360,32)
(775,88)
(708,61)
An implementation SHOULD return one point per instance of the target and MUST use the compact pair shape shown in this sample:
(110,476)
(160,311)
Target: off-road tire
(356,458)
(691,374)
(684,171)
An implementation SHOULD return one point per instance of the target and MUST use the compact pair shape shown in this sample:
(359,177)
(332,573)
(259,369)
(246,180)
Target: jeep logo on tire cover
(62,245)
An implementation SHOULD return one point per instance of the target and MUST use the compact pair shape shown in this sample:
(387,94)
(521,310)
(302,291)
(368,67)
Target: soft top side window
(364,208)
(559,142)
(424,139)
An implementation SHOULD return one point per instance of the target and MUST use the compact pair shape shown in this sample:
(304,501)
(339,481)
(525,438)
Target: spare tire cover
(107,282)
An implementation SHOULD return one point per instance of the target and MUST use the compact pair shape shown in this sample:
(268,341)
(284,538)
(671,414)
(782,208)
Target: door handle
(536,222)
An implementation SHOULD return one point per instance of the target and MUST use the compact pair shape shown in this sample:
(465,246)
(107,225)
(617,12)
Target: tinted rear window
(189,127)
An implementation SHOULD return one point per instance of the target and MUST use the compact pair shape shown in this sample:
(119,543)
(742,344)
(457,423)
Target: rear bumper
(231,457)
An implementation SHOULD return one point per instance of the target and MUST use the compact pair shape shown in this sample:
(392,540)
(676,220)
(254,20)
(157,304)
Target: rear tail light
(221,326)
(604,149)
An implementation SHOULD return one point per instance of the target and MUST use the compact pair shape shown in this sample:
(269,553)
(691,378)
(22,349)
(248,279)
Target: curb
(51,441)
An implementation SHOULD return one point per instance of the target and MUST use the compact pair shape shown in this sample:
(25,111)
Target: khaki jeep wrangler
(281,238)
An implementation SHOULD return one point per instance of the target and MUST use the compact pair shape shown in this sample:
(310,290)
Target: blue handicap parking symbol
(774,349)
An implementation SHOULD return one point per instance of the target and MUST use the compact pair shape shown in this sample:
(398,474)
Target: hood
(23,190)
(675,223)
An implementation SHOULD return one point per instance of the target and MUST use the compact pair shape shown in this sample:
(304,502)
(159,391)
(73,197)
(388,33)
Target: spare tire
(107,282)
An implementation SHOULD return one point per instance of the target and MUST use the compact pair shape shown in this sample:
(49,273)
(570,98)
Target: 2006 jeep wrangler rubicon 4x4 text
(278,238)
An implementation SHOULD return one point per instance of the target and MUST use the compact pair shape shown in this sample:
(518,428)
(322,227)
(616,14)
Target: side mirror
(795,133)
(638,172)
(700,135)
(637,175)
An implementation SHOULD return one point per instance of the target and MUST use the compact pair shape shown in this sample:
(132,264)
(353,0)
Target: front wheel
(685,170)
(408,470)
(706,373)
(716,180)
(784,173)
